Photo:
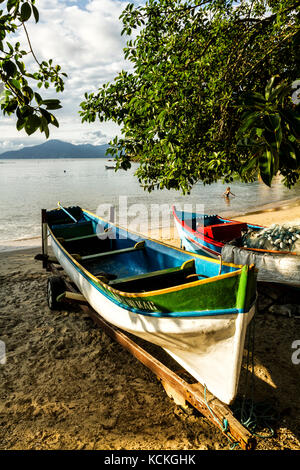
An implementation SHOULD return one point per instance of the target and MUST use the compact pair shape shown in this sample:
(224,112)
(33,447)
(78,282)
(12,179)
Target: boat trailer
(176,387)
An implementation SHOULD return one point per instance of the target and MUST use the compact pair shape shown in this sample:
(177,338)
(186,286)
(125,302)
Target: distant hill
(58,149)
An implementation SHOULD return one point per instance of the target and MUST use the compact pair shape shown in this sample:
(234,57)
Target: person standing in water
(227,193)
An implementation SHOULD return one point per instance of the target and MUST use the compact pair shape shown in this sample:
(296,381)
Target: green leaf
(275,121)
(32,123)
(38,98)
(54,121)
(21,66)
(280,91)
(275,124)
(25,111)
(250,165)
(25,11)
(293,120)
(44,126)
(20,124)
(290,155)
(46,114)
(28,92)
(51,104)
(11,106)
(11,4)
(15,83)
(266,167)
(35,13)
(253,100)
(248,123)
(9,68)
(269,87)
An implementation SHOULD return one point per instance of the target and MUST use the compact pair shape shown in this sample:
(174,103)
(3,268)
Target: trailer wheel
(55,287)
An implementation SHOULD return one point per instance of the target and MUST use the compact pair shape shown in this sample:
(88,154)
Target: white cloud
(84,37)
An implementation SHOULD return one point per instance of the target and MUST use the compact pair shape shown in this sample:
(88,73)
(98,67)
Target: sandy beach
(287,212)
(64,384)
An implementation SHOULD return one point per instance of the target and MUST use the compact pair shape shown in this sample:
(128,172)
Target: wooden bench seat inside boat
(154,280)
(137,246)
(67,231)
(84,237)
(225,232)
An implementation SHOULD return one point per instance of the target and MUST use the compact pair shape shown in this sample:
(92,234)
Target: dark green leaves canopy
(272,127)
(18,96)
(198,103)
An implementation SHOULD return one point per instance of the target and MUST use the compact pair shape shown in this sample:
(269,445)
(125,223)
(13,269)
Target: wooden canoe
(197,309)
(212,235)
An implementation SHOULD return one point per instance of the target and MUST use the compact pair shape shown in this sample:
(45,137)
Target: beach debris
(278,299)
(276,237)
(289,310)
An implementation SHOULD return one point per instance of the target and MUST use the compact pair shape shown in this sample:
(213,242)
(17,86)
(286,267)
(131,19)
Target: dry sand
(284,213)
(66,385)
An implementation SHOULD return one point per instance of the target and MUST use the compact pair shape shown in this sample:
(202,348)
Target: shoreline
(285,204)
(7,246)
(284,212)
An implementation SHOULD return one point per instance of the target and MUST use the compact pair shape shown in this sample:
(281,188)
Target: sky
(84,38)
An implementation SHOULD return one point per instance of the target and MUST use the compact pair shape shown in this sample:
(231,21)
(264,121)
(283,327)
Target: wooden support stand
(176,387)
(44,238)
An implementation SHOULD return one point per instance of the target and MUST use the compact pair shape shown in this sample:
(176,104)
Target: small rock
(286,310)
(109,423)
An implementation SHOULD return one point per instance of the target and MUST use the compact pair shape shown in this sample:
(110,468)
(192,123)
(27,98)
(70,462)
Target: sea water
(28,185)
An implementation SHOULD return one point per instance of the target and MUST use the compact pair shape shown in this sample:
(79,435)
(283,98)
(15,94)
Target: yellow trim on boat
(156,292)
(168,290)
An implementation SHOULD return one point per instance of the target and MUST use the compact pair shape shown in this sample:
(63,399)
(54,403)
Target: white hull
(190,246)
(210,348)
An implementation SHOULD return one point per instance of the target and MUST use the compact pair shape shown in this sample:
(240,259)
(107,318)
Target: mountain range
(58,149)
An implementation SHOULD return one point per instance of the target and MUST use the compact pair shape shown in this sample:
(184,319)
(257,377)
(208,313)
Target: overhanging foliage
(181,108)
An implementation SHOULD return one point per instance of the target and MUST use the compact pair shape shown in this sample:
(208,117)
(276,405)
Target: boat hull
(196,244)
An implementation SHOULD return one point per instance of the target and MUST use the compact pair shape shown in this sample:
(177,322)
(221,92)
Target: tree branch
(30,46)
(268,53)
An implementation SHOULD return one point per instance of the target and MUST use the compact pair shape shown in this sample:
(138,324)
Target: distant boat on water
(110,166)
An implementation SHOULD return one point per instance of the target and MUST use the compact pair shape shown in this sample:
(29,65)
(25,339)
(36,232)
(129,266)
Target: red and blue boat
(207,234)
(215,237)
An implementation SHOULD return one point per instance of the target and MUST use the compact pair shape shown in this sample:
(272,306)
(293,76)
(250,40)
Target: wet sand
(66,385)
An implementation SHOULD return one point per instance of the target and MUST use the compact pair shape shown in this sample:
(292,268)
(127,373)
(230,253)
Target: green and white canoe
(196,308)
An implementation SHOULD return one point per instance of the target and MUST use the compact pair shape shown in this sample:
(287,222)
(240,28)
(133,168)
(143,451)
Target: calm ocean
(27,186)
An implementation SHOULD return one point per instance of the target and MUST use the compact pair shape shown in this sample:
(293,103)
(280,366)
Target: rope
(257,415)
(253,415)
(224,425)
